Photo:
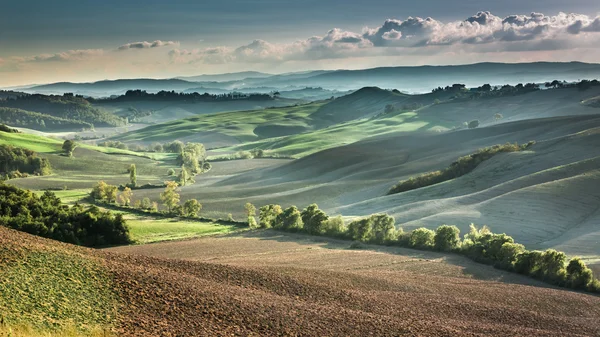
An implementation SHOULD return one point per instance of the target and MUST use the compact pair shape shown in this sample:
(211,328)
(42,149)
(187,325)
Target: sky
(90,40)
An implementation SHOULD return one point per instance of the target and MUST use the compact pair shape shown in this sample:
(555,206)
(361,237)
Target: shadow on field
(469,268)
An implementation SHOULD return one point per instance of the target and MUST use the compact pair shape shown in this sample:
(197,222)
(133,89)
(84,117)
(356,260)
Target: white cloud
(147,45)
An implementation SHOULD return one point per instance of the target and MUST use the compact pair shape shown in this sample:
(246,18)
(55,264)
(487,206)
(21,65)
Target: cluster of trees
(192,159)
(138,95)
(457,87)
(39,121)
(16,162)
(458,168)
(67,106)
(170,198)
(46,216)
(480,244)
(5,128)
(252,154)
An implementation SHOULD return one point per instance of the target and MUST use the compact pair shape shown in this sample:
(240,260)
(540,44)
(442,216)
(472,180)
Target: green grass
(148,230)
(307,143)
(243,125)
(69,196)
(50,289)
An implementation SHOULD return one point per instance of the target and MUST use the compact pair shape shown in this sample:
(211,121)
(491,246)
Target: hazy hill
(226,77)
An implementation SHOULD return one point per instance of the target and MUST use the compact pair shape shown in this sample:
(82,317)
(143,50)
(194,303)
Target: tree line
(138,95)
(457,169)
(480,244)
(16,162)
(47,217)
(39,121)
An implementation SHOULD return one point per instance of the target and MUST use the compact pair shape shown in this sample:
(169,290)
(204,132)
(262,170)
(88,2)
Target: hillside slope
(157,296)
(526,194)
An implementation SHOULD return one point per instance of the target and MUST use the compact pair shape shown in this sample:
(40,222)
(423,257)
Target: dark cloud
(147,45)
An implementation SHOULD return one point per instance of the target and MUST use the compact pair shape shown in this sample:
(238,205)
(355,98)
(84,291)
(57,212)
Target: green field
(243,125)
(148,229)
(307,143)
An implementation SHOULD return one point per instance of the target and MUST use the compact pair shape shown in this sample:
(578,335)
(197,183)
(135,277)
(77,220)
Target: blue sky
(206,36)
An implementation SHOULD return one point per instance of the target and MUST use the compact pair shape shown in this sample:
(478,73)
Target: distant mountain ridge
(413,79)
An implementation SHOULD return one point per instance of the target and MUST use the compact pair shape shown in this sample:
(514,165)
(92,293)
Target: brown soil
(273,284)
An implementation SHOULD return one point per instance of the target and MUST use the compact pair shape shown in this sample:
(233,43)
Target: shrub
(447,238)
(509,252)
(314,220)
(268,215)
(529,263)
(192,208)
(579,276)
(383,230)
(290,219)
(171,172)
(69,146)
(146,203)
(335,227)
(553,267)
(360,230)
(422,238)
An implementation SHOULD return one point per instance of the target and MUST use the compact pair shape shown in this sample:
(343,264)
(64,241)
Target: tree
(422,238)
(125,196)
(69,146)
(183,176)
(382,228)
(146,203)
(473,124)
(99,191)
(447,238)
(170,197)
(335,226)
(111,193)
(171,172)
(268,215)
(250,213)
(360,230)
(290,219)
(578,274)
(498,117)
(133,175)
(485,87)
(314,219)
(192,208)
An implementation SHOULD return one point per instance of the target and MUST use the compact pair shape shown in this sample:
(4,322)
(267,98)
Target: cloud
(148,45)
(70,55)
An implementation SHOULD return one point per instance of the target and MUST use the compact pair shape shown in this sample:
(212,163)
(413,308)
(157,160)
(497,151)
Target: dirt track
(290,285)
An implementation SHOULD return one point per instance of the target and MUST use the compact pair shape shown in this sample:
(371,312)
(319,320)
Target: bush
(447,238)
(192,208)
(383,230)
(579,276)
(314,220)
(290,219)
(360,230)
(422,238)
(335,227)
(268,215)
(171,172)
(47,217)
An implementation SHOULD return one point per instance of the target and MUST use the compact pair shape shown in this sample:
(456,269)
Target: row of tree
(480,244)
(39,121)
(16,162)
(457,169)
(47,217)
(139,95)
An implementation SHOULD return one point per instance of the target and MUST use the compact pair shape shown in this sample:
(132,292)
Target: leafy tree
(111,193)
(553,266)
(146,203)
(508,255)
(314,219)
(69,146)
(529,263)
(382,228)
(579,276)
(268,215)
(22,160)
(335,226)
(170,197)
(99,191)
(125,196)
(360,230)
(290,219)
(251,213)
(447,238)
(133,175)
(422,238)
(183,176)
(192,208)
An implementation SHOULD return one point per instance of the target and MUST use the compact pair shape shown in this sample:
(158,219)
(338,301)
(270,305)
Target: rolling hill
(388,292)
